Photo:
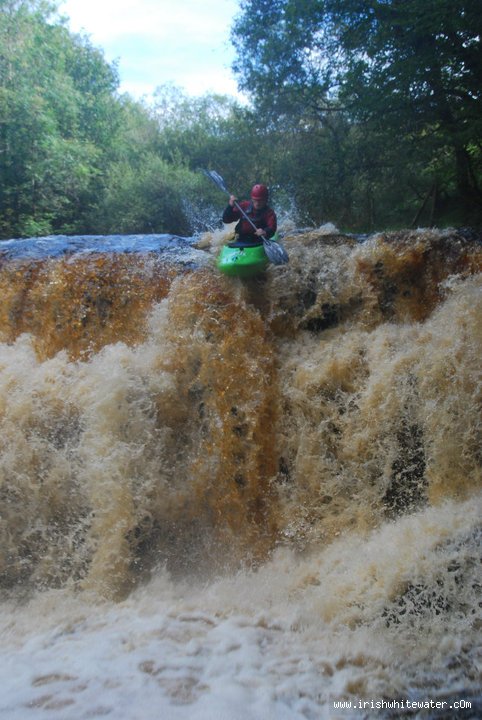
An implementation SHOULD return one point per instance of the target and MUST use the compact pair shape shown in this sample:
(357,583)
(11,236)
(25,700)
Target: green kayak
(242,261)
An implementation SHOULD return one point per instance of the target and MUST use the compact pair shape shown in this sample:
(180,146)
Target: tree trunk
(466,182)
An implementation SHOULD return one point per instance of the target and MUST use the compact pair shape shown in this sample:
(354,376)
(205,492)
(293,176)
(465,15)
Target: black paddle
(274,251)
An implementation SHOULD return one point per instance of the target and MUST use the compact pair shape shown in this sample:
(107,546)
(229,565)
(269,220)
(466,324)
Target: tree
(212,131)
(57,121)
(409,70)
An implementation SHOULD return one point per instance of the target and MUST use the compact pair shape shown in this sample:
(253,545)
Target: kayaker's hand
(260,232)
(232,200)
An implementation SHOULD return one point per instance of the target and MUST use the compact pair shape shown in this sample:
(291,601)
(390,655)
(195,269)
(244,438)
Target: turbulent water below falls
(228,499)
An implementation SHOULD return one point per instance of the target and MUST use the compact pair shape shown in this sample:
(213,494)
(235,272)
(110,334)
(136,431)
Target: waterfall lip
(174,247)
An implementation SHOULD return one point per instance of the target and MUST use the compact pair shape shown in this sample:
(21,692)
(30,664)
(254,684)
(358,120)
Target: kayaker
(258,210)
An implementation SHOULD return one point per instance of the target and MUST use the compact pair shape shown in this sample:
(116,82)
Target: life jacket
(244,229)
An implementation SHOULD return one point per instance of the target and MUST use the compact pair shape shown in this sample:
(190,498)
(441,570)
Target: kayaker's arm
(232,213)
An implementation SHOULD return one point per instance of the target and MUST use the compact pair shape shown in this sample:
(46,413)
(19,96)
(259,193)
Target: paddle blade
(217,180)
(275,252)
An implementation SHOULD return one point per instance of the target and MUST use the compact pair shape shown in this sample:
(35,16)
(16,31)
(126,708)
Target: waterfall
(300,452)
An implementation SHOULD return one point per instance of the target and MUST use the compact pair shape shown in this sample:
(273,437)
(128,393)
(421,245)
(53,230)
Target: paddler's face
(258,204)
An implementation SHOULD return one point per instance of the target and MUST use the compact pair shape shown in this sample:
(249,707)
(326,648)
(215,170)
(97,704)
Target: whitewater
(241,499)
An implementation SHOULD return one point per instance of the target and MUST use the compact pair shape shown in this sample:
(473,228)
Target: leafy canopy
(410,69)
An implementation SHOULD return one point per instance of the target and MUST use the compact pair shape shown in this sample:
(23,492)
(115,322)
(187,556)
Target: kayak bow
(242,262)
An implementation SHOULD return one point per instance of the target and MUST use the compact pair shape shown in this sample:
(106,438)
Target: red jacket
(264,218)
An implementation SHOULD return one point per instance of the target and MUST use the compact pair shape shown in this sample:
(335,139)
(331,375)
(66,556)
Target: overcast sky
(185,42)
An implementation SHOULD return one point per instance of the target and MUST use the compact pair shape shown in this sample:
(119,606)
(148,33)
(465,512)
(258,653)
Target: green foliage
(363,113)
(147,198)
(204,132)
(57,121)
(404,75)
(77,158)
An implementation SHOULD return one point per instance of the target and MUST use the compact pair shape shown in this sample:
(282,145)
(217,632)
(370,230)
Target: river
(241,500)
